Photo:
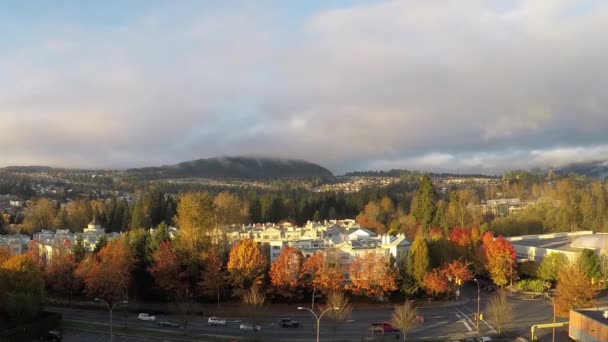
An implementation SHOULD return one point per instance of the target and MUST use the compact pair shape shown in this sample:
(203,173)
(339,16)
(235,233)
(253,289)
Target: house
(361,233)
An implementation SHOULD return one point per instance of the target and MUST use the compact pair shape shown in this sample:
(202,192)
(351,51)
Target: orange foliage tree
(317,273)
(501,257)
(436,282)
(247,265)
(108,274)
(371,274)
(5,254)
(574,290)
(461,237)
(285,271)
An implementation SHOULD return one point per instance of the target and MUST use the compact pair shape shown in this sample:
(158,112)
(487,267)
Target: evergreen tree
(590,264)
(419,263)
(424,206)
(255,211)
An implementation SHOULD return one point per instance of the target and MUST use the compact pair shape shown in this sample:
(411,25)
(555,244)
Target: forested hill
(235,168)
(594,169)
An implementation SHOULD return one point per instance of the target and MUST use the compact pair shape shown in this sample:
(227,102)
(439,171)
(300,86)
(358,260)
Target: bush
(531,285)
(26,332)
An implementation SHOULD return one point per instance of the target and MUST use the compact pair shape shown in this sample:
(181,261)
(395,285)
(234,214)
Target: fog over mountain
(460,86)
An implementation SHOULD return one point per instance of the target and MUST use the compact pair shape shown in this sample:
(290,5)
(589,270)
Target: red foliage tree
(60,272)
(107,275)
(461,237)
(436,282)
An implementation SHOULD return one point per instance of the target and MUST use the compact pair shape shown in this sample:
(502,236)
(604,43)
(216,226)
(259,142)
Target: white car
(145,317)
(216,321)
(250,327)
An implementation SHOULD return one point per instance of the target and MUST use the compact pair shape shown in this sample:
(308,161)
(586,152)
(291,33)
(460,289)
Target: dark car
(168,324)
(53,335)
(382,327)
(287,322)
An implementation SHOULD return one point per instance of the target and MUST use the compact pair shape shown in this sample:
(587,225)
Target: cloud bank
(436,85)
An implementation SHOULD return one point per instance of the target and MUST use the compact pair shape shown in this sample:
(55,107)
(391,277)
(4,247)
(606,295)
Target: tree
(550,266)
(60,273)
(418,260)
(196,220)
(79,250)
(21,288)
(337,299)
(246,265)
(61,221)
(436,282)
(405,318)
(501,257)
(255,210)
(40,215)
(285,271)
(253,300)
(229,209)
(500,311)
(574,290)
(590,263)
(107,274)
(424,205)
(317,273)
(178,276)
(372,275)
(214,274)
(80,214)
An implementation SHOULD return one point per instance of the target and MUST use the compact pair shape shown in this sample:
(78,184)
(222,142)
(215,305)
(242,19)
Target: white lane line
(464,322)
(465,316)
(485,322)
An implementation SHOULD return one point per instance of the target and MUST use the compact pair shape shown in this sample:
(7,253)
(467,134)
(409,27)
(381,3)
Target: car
(250,327)
(168,324)
(484,339)
(52,335)
(382,327)
(287,322)
(145,317)
(216,321)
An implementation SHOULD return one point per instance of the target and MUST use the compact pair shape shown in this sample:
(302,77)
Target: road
(450,321)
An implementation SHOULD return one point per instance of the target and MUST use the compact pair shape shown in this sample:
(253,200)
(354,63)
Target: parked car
(484,339)
(382,327)
(52,335)
(146,317)
(168,324)
(287,322)
(216,321)
(250,327)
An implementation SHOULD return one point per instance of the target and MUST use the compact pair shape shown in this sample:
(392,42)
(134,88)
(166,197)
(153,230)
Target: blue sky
(441,85)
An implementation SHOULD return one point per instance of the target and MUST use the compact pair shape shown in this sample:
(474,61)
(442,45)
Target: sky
(438,85)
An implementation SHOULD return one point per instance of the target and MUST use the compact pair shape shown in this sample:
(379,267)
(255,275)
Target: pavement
(442,320)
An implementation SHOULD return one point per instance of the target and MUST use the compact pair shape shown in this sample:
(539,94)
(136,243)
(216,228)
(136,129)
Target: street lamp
(318,318)
(553,302)
(478,300)
(111,308)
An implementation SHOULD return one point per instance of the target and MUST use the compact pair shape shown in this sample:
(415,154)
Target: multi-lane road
(441,320)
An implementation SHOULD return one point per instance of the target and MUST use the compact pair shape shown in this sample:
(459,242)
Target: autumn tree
(550,266)
(80,214)
(500,311)
(214,274)
(246,265)
(285,272)
(418,260)
(196,221)
(253,300)
(39,216)
(60,273)
(501,257)
(21,288)
(436,282)
(405,318)
(372,275)
(229,209)
(574,290)
(178,276)
(337,299)
(318,274)
(108,273)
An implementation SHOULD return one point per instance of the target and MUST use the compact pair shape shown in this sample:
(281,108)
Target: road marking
(485,322)
(464,322)
(465,316)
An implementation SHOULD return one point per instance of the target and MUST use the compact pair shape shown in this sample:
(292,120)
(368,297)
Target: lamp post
(318,318)
(478,300)
(111,308)
(553,302)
